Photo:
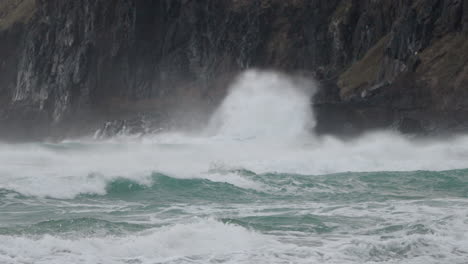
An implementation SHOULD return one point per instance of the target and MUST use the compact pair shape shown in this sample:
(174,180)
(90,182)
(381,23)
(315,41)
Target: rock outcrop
(67,67)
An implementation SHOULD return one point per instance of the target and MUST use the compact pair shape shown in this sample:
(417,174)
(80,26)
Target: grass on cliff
(364,72)
(15,11)
(444,70)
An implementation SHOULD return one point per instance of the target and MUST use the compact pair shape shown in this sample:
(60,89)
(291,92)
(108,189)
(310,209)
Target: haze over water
(255,186)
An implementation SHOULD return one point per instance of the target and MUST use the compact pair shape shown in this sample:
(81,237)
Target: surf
(255,185)
(265,124)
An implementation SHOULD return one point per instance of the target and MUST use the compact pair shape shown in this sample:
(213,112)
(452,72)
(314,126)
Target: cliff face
(415,72)
(70,65)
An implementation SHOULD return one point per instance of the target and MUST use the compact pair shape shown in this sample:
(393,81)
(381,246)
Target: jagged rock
(139,125)
(73,65)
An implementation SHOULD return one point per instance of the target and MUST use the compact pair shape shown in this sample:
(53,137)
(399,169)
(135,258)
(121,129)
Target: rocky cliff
(68,66)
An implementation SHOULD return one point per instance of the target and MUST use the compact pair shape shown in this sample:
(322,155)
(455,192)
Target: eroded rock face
(69,66)
(417,70)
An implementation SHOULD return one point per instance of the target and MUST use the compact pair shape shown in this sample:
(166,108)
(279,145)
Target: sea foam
(263,125)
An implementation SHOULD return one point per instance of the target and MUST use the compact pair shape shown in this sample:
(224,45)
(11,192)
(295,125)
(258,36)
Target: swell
(85,226)
(170,189)
(386,184)
(215,186)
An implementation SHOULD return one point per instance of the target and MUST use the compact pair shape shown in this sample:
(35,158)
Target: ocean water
(254,186)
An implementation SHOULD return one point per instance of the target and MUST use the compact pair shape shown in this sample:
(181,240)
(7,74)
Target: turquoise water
(253,187)
(351,217)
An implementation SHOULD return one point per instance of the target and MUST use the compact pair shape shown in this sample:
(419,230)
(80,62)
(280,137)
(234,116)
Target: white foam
(262,126)
(360,238)
(200,241)
(265,106)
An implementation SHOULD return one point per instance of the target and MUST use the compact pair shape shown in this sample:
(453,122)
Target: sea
(255,185)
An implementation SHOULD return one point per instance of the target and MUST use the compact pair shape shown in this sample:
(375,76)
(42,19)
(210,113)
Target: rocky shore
(70,67)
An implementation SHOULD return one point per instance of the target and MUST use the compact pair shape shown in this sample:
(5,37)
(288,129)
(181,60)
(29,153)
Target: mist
(265,125)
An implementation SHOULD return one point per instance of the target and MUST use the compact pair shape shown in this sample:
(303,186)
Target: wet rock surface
(68,67)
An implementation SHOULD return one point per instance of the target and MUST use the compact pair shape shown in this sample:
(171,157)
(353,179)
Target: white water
(210,241)
(264,106)
(172,243)
(263,126)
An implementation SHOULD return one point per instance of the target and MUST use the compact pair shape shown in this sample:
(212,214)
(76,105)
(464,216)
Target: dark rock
(67,67)
(138,125)
(410,126)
